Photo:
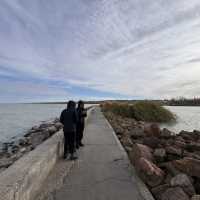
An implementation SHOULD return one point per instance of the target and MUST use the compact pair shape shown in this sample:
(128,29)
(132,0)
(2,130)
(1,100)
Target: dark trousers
(69,142)
(79,133)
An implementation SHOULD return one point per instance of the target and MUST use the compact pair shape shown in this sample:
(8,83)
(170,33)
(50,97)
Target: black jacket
(82,113)
(69,119)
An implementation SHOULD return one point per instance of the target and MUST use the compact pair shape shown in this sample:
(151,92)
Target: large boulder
(152,142)
(159,155)
(165,133)
(58,125)
(138,151)
(36,139)
(159,190)
(183,181)
(189,166)
(52,130)
(5,162)
(193,146)
(137,132)
(175,193)
(150,173)
(152,130)
(174,150)
(186,135)
(170,168)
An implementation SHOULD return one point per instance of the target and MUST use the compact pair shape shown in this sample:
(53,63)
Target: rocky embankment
(168,163)
(16,148)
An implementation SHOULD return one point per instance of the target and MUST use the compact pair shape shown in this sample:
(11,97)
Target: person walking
(82,113)
(69,119)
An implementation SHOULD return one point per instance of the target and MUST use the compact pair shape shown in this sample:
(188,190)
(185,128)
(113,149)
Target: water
(16,119)
(188,118)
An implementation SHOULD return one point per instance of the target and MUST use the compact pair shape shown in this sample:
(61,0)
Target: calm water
(16,119)
(188,118)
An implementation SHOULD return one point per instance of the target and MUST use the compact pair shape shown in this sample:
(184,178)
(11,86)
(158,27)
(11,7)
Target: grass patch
(145,111)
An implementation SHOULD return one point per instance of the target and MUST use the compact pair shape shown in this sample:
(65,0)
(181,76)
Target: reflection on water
(188,118)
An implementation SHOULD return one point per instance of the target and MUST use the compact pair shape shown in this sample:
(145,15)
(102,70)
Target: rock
(174,151)
(165,133)
(15,148)
(170,168)
(2,169)
(180,144)
(168,178)
(137,133)
(152,130)
(58,125)
(151,141)
(159,190)
(23,150)
(22,141)
(186,135)
(183,181)
(195,197)
(191,155)
(176,193)
(193,146)
(52,130)
(189,166)
(45,134)
(37,139)
(126,141)
(35,128)
(159,154)
(5,162)
(128,149)
(138,151)
(150,173)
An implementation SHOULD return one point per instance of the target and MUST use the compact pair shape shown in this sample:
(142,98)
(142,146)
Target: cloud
(130,49)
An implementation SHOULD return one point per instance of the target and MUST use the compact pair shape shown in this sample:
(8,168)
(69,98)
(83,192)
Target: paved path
(101,173)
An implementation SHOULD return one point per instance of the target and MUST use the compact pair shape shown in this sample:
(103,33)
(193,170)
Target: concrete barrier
(25,177)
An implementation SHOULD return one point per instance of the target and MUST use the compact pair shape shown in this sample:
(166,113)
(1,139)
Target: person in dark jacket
(82,113)
(69,119)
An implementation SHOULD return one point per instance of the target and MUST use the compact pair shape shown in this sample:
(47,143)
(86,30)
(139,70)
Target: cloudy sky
(95,49)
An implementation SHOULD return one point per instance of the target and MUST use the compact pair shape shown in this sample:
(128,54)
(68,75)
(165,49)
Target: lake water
(188,118)
(16,119)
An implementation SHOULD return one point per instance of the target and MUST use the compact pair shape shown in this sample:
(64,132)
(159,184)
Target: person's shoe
(73,157)
(81,144)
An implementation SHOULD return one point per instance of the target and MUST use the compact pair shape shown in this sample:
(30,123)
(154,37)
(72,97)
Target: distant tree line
(183,102)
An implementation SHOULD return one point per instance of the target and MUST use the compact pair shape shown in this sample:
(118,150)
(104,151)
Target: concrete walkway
(102,171)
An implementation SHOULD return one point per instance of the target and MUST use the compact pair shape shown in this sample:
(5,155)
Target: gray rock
(5,162)
(52,130)
(174,151)
(176,193)
(159,190)
(160,154)
(165,133)
(58,125)
(184,182)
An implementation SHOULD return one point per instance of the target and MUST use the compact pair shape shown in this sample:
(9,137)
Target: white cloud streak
(132,47)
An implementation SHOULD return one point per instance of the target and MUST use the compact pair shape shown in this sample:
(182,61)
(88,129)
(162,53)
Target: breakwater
(24,178)
(167,162)
(18,147)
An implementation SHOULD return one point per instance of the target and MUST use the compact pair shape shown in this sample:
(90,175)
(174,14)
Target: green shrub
(144,111)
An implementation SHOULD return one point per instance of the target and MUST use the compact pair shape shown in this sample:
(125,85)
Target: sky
(55,50)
